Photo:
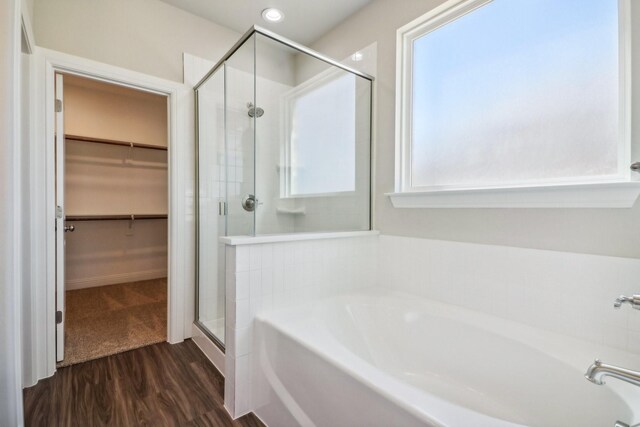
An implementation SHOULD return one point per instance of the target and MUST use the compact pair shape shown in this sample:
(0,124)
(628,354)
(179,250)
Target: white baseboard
(113,279)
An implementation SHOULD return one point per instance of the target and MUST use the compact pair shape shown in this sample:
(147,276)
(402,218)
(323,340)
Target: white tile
(230,344)
(288,252)
(230,368)
(633,342)
(289,277)
(243,372)
(632,317)
(267,255)
(230,315)
(267,281)
(243,285)
(609,316)
(243,340)
(278,279)
(229,395)
(267,303)
(615,337)
(525,285)
(256,283)
(278,254)
(230,258)
(255,257)
(243,313)
(242,258)
(231,179)
(255,306)
(243,401)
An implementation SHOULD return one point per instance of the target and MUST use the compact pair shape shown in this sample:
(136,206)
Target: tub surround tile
(562,292)
(242,257)
(255,257)
(241,286)
(567,293)
(633,341)
(274,275)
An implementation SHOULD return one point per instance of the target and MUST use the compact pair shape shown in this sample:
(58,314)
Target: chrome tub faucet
(599,370)
(634,301)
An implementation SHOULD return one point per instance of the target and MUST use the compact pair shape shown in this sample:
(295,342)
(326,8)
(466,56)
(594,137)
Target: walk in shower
(283,146)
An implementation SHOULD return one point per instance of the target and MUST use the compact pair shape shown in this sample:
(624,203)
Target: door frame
(42,175)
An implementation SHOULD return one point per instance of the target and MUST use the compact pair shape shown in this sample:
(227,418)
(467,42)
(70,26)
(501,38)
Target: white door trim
(42,175)
(59,229)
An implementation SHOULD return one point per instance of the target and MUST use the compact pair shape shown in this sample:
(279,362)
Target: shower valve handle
(249,203)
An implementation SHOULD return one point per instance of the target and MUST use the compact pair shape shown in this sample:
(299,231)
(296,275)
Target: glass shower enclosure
(283,145)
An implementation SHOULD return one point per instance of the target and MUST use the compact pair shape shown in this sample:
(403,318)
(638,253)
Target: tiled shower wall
(270,276)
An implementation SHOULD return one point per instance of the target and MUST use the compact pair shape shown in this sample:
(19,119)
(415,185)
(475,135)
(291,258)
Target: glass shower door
(225,147)
(211,193)
(240,140)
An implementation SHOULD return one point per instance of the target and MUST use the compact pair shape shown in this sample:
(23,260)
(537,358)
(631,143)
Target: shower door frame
(221,62)
(196,321)
(290,43)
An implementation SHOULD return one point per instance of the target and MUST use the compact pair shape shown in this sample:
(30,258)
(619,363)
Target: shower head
(254,111)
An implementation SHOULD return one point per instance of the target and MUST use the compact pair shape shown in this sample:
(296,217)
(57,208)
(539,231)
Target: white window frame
(288,101)
(620,191)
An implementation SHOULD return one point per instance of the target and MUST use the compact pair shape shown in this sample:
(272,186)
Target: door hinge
(58,106)
(58,212)
(58,317)
(222,208)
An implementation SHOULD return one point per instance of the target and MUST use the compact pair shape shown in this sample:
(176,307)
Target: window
(513,94)
(321,136)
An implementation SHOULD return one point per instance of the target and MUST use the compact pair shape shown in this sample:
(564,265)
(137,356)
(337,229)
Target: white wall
(11,233)
(613,232)
(29,5)
(104,253)
(148,36)
(105,179)
(101,110)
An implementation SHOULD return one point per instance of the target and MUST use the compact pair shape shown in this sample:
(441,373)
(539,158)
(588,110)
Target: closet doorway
(111,219)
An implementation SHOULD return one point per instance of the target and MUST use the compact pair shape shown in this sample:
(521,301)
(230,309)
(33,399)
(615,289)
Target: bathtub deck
(158,385)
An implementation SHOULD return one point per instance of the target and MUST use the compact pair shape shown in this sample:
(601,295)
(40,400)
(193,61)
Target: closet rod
(114,142)
(132,217)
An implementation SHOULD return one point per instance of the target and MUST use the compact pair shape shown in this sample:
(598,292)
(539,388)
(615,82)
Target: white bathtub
(386,359)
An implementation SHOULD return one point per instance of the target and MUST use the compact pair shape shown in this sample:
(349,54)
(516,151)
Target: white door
(60,228)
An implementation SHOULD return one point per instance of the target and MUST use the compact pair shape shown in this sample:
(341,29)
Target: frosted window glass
(517,91)
(323,138)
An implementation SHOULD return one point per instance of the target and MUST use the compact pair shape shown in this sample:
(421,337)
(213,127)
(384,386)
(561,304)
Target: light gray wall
(28,7)
(148,36)
(598,231)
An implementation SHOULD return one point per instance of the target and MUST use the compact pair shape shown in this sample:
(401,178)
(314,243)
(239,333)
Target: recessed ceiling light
(272,15)
(357,56)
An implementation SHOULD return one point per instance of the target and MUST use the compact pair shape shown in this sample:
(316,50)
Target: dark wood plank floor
(158,385)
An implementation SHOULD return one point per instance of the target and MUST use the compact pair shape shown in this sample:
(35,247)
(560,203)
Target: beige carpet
(111,319)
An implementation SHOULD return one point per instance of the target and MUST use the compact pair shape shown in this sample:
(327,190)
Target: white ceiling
(305,20)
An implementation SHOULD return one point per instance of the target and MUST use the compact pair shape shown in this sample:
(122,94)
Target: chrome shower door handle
(249,203)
